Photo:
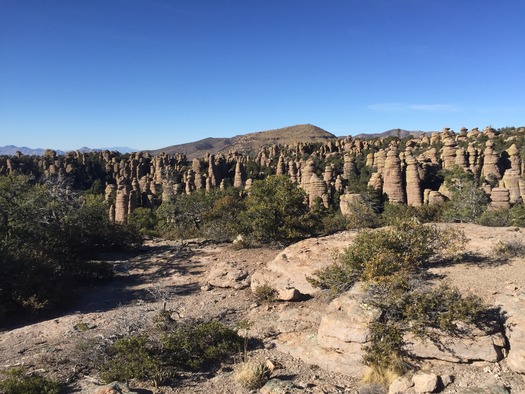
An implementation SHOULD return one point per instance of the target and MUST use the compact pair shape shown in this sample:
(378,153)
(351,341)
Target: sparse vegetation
(189,346)
(389,261)
(264,293)
(20,381)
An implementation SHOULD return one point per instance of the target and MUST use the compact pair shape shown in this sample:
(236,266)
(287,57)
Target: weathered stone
(425,383)
(400,385)
(413,183)
(293,265)
(490,162)
(238,180)
(476,346)
(392,178)
(513,306)
(500,198)
(347,319)
(376,181)
(228,274)
(513,182)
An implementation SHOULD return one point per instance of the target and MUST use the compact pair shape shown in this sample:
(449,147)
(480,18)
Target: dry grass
(252,375)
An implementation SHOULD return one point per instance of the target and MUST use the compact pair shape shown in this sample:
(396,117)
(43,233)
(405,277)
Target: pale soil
(178,273)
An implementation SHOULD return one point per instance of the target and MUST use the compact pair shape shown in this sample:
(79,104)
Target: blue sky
(152,73)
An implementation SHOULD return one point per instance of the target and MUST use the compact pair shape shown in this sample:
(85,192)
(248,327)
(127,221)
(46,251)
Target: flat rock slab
(287,273)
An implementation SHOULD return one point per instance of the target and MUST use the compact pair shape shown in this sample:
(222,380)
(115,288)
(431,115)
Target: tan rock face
(449,153)
(122,205)
(346,201)
(490,162)
(513,306)
(413,183)
(240,176)
(393,180)
(514,183)
(500,198)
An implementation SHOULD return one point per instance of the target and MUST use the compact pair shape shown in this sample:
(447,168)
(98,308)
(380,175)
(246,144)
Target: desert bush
(495,218)
(192,346)
(145,220)
(133,358)
(389,254)
(361,215)
(468,200)
(275,211)
(264,293)
(517,215)
(508,249)
(213,215)
(396,213)
(19,381)
(189,346)
(389,261)
(385,354)
(252,375)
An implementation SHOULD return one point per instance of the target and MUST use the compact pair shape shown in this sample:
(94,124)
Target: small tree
(468,200)
(275,210)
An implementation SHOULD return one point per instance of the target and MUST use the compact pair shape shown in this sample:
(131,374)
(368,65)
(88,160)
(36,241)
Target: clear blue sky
(152,73)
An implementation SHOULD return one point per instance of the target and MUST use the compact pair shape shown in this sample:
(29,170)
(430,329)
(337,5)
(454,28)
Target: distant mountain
(249,142)
(10,150)
(121,149)
(391,133)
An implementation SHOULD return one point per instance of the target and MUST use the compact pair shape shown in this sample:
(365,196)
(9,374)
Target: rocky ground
(204,280)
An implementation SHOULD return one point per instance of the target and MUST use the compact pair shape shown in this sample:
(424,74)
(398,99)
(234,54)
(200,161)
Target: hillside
(249,142)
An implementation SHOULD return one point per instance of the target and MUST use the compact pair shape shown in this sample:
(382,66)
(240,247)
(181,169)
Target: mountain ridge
(245,143)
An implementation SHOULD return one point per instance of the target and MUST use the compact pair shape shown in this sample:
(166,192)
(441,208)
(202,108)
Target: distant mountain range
(10,150)
(241,143)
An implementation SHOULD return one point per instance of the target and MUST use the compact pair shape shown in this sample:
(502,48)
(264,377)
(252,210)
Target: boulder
(401,385)
(228,274)
(291,268)
(425,383)
(346,320)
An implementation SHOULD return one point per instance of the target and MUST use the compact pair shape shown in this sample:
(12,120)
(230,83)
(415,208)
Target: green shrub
(133,358)
(361,215)
(194,346)
(517,215)
(48,233)
(145,220)
(468,200)
(389,261)
(18,381)
(387,254)
(495,218)
(275,211)
(210,214)
(396,213)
